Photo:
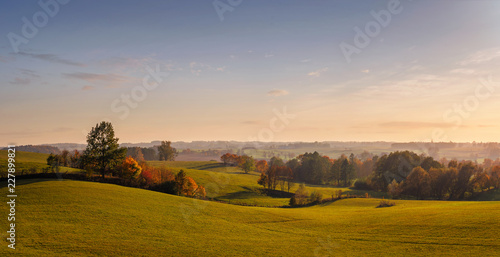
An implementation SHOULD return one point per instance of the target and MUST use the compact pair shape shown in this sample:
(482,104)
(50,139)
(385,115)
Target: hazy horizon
(263,71)
(277,142)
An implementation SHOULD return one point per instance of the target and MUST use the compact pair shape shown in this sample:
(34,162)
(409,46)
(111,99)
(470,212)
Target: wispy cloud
(198,67)
(408,85)
(277,92)
(366,71)
(20,81)
(415,125)
(268,55)
(125,63)
(305,60)
(6,59)
(317,73)
(128,64)
(463,71)
(482,56)
(87,88)
(51,58)
(95,77)
(250,122)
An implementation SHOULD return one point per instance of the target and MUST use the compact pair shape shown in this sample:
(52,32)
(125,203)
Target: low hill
(26,156)
(232,185)
(75,218)
(48,149)
(27,162)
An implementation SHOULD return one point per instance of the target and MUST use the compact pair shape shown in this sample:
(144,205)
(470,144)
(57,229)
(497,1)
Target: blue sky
(430,73)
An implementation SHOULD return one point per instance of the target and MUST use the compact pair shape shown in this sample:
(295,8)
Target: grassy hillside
(75,218)
(26,156)
(231,184)
(26,161)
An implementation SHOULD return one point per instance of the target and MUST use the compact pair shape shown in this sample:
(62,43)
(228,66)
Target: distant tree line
(398,173)
(407,173)
(209,152)
(67,159)
(313,168)
(38,149)
(163,152)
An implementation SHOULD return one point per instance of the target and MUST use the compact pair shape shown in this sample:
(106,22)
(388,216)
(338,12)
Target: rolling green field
(75,218)
(232,185)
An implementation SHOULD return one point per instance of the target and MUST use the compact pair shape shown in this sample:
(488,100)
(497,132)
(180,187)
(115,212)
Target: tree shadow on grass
(240,195)
(208,166)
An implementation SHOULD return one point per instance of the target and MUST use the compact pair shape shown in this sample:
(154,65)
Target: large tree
(247,163)
(103,152)
(166,152)
(418,183)
(347,171)
(313,168)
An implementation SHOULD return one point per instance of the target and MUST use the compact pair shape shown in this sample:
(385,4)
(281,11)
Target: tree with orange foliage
(200,192)
(495,176)
(229,158)
(261,166)
(481,181)
(130,169)
(190,188)
(193,190)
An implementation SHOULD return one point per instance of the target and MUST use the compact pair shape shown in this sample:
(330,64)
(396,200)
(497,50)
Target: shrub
(385,203)
(300,197)
(315,197)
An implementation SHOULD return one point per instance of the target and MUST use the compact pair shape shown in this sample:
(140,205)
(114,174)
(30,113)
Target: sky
(250,70)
